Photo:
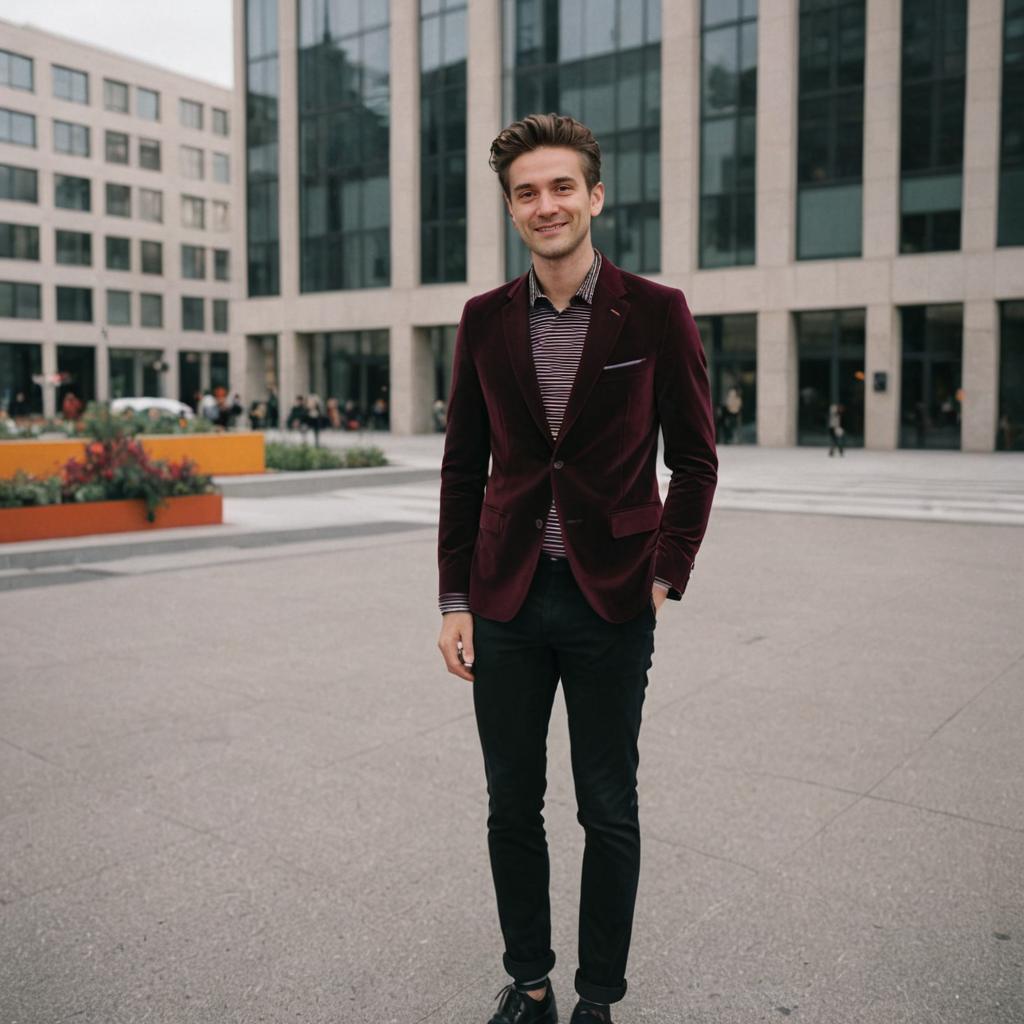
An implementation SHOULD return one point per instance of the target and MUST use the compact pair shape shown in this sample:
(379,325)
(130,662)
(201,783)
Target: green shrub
(298,457)
(23,489)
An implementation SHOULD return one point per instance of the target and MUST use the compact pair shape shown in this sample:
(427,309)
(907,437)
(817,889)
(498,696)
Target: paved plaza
(239,786)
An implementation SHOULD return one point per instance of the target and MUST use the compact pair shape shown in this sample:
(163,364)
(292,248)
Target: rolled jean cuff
(599,993)
(529,970)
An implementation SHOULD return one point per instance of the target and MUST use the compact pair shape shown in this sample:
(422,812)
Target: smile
(549,229)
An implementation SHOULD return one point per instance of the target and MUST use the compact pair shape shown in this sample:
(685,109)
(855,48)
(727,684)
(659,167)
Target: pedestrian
(209,407)
(20,407)
(272,413)
(297,414)
(554,563)
(315,418)
(71,407)
(835,428)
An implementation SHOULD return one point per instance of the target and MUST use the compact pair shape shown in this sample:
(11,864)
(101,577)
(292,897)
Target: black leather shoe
(590,1014)
(516,1008)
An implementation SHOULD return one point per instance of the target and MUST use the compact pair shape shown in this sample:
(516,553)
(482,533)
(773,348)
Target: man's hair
(537,130)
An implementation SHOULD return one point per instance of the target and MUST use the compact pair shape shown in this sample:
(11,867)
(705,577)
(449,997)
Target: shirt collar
(585,292)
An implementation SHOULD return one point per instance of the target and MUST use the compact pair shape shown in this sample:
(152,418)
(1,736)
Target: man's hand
(659,595)
(457,638)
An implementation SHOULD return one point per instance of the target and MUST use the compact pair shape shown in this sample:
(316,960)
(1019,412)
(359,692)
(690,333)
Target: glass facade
(830,147)
(728,132)
(931,394)
(830,347)
(600,62)
(18,362)
(1011,149)
(344,114)
(352,367)
(133,372)
(442,140)
(730,344)
(1010,430)
(261,133)
(932,124)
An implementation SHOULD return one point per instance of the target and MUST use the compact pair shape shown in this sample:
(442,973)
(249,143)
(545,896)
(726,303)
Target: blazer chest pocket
(623,369)
(491,520)
(636,519)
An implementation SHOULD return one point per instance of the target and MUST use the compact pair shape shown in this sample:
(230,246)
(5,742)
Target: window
(728,133)
(1011,148)
(344,241)
(220,216)
(20,184)
(831,128)
(261,137)
(151,205)
(115,96)
(443,142)
(221,264)
(152,257)
(116,144)
(190,114)
(931,376)
(71,193)
(119,253)
(193,212)
(221,168)
(147,104)
(191,162)
(220,316)
(16,71)
(119,200)
(193,262)
(19,242)
(19,301)
(220,121)
(599,62)
(17,128)
(149,154)
(151,310)
(71,138)
(192,315)
(69,84)
(830,350)
(730,345)
(74,248)
(119,308)
(934,44)
(74,304)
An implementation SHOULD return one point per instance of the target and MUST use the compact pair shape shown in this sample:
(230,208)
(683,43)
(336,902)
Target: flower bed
(114,472)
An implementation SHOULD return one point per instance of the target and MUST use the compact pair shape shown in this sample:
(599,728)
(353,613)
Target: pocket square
(629,362)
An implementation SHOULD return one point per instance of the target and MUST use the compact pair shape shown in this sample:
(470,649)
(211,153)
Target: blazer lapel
(516,328)
(606,319)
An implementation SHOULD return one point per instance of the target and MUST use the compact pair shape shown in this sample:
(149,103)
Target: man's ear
(597,199)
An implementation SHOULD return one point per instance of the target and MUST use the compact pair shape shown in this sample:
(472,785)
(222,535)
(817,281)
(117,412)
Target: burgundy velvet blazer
(642,368)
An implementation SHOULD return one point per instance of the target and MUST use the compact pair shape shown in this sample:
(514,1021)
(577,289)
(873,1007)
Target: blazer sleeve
(683,395)
(467,450)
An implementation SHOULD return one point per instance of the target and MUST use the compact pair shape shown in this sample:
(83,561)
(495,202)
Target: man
(554,566)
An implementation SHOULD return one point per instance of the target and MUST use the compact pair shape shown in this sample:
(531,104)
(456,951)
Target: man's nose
(547,205)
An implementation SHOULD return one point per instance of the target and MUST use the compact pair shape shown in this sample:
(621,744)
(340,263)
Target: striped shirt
(556,340)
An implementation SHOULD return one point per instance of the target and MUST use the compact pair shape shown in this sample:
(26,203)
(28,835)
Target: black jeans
(603,668)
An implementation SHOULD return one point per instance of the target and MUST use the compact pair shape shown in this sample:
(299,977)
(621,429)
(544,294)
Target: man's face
(549,202)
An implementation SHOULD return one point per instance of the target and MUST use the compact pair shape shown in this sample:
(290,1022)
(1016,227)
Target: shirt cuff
(453,603)
(664,584)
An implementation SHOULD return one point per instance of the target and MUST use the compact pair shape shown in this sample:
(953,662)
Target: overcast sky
(189,36)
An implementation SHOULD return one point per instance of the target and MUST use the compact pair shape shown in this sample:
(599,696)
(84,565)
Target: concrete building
(121,226)
(837,186)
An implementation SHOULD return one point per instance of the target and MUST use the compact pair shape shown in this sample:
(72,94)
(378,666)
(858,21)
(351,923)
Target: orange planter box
(215,454)
(78,519)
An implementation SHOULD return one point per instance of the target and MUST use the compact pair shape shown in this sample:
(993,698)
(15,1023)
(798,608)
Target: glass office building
(833,184)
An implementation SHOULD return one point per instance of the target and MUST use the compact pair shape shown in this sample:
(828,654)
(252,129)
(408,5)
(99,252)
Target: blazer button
(539,523)
(559,464)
